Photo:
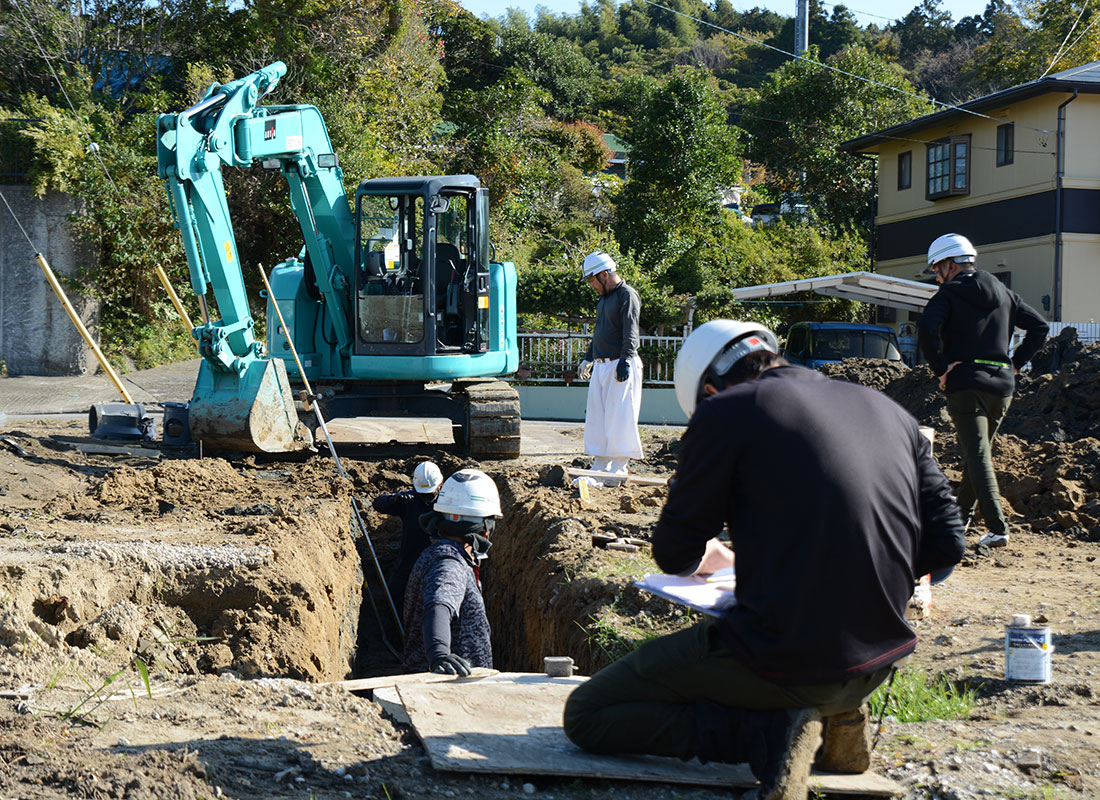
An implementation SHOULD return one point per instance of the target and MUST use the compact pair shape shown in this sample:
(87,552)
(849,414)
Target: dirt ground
(235,585)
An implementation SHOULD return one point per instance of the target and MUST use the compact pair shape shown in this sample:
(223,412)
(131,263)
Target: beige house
(990,171)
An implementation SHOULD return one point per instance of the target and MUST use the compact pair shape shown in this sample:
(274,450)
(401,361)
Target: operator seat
(448,290)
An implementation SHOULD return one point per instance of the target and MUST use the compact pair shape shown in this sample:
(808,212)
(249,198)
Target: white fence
(1087,332)
(553,357)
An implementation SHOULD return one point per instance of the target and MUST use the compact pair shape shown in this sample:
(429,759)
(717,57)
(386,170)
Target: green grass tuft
(915,697)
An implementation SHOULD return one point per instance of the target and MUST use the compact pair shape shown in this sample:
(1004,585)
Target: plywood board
(514,727)
(364,684)
(643,480)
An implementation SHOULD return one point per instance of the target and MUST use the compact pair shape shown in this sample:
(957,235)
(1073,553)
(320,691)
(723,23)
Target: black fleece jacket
(971,320)
(834,506)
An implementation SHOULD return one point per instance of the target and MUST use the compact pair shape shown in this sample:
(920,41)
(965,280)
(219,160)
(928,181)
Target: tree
(805,111)
(683,153)
(928,27)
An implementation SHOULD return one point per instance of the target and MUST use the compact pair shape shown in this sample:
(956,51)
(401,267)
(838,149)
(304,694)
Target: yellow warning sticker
(228,252)
(483,302)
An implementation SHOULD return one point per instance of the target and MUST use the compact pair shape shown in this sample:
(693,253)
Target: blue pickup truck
(815,343)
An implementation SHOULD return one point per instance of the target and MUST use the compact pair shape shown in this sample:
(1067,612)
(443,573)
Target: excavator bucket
(253,411)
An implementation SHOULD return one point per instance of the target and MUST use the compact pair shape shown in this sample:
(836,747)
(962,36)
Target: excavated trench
(205,565)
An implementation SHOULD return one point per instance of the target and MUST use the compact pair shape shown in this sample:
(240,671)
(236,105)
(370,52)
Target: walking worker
(964,333)
(410,506)
(613,369)
(822,583)
(446,629)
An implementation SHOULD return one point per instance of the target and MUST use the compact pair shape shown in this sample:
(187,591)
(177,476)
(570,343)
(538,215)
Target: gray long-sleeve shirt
(616,334)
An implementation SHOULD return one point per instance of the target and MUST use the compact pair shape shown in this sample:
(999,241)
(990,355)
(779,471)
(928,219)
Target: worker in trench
(446,629)
(834,505)
(964,333)
(613,369)
(410,505)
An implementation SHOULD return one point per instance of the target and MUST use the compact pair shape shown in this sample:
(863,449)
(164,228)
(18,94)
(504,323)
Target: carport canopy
(867,287)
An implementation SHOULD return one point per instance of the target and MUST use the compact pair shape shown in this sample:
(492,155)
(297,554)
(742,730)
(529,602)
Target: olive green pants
(976,416)
(648,701)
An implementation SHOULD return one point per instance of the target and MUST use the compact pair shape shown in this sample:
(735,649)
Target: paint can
(1027,651)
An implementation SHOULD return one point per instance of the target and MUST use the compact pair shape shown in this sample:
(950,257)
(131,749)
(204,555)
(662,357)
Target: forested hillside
(705,96)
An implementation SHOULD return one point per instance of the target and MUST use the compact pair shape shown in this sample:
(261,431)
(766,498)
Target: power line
(823,65)
(93,148)
(1072,28)
(819,126)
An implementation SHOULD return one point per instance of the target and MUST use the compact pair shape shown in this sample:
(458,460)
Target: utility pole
(801,26)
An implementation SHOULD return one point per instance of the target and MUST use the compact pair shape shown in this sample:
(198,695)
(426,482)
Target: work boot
(846,745)
(791,739)
(728,735)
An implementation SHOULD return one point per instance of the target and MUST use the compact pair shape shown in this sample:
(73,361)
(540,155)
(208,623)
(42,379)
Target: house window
(949,167)
(905,170)
(1005,144)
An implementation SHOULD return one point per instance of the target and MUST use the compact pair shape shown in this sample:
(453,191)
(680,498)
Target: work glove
(622,372)
(450,664)
(584,371)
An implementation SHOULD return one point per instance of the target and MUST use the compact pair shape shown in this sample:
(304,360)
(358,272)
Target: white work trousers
(611,417)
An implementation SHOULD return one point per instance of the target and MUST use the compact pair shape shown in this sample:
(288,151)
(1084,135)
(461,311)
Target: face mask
(481,545)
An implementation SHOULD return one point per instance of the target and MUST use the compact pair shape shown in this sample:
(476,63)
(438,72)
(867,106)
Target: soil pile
(1047,451)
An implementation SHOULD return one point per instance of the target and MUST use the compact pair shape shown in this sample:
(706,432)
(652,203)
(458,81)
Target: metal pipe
(203,310)
(1058,208)
(41,259)
(210,102)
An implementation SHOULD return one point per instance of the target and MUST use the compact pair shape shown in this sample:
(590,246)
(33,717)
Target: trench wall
(281,600)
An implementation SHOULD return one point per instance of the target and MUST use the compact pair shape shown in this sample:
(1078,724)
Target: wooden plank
(514,727)
(365,684)
(643,480)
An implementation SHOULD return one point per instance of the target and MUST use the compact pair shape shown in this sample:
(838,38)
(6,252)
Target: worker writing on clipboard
(823,579)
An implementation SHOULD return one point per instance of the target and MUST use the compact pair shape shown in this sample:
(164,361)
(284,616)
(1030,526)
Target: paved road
(29,396)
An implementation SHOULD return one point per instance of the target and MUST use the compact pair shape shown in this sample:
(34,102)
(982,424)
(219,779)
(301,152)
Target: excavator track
(492,419)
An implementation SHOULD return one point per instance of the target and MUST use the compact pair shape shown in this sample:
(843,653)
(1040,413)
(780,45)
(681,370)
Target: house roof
(615,144)
(868,287)
(1085,78)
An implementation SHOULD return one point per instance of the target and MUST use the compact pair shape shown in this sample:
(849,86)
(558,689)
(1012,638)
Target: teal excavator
(395,309)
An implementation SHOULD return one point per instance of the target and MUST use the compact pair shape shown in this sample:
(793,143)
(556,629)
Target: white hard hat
(469,493)
(427,477)
(598,262)
(953,246)
(707,347)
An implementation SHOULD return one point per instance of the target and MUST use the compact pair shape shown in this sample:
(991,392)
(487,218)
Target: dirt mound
(1047,453)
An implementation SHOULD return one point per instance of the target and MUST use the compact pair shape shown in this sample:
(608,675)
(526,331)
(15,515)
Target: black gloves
(450,664)
(622,372)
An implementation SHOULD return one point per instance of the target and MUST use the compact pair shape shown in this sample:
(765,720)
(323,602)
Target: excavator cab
(422,282)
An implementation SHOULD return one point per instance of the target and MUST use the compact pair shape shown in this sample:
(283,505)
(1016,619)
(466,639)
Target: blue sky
(866,11)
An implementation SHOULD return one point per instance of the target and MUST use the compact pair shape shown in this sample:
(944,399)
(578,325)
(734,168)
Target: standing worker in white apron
(614,371)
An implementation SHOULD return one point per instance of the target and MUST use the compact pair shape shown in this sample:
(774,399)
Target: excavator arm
(242,397)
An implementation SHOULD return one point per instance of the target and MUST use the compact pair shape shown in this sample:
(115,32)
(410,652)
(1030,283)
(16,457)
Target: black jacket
(834,506)
(410,506)
(971,320)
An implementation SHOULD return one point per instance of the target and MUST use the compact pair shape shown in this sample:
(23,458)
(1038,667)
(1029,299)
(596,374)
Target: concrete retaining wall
(659,406)
(36,335)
